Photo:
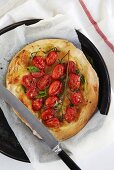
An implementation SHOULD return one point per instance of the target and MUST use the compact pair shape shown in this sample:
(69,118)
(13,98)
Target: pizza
(56,82)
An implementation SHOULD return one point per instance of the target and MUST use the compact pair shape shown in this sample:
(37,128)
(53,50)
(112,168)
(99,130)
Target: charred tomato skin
(52,123)
(51,58)
(71,67)
(55,88)
(74,81)
(37,104)
(47,114)
(70,114)
(58,71)
(76,98)
(51,101)
(31,93)
(39,62)
(44,82)
(38,74)
(28,81)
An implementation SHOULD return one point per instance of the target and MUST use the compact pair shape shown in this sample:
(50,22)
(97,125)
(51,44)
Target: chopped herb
(32,69)
(42,94)
(23,88)
(82,78)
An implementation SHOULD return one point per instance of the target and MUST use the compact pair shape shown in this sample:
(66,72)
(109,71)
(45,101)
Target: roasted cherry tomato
(39,62)
(47,114)
(38,74)
(76,98)
(31,93)
(44,82)
(37,104)
(51,58)
(71,67)
(50,101)
(55,88)
(28,81)
(74,81)
(58,71)
(70,114)
(52,123)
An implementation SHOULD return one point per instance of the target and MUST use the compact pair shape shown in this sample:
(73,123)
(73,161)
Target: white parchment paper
(38,153)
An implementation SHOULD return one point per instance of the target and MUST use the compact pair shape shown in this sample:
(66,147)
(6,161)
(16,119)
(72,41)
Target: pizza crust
(17,68)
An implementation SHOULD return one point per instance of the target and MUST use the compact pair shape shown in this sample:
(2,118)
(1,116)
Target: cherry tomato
(38,74)
(76,98)
(71,67)
(47,114)
(44,82)
(74,81)
(37,104)
(39,62)
(50,101)
(70,114)
(55,88)
(58,71)
(52,123)
(28,81)
(31,93)
(51,58)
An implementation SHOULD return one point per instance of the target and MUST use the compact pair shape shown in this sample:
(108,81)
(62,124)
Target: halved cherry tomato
(71,67)
(51,58)
(37,104)
(74,81)
(39,62)
(44,82)
(70,114)
(47,114)
(28,81)
(55,88)
(38,74)
(58,71)
(52,123)
(76,98)
(31,93)
(50,101)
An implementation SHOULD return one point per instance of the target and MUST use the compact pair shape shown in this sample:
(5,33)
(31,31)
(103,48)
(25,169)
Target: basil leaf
(41,94)
(82,79)
(32,69)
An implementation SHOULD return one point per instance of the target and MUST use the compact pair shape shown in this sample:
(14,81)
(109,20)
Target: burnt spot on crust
(95,88)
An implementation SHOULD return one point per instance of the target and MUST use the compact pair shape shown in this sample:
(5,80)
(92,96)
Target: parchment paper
(10,43)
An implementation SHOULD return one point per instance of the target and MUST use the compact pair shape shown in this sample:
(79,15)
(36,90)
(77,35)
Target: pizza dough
(22,64)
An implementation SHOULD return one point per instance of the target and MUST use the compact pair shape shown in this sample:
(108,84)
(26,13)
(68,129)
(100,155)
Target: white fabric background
(102,11)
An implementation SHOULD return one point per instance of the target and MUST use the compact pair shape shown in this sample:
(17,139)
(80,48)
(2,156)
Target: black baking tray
(9,144)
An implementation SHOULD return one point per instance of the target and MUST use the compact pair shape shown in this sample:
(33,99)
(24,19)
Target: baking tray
(9,144)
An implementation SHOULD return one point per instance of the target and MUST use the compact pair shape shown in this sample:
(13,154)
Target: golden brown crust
(17,69)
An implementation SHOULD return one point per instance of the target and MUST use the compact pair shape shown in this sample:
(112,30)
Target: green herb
(42,94)
(82,79)
(77,71)
(32,69)
(23,88)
